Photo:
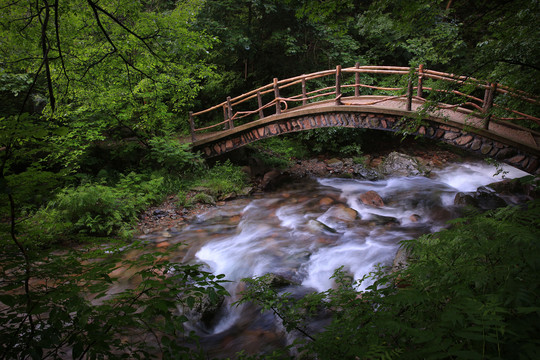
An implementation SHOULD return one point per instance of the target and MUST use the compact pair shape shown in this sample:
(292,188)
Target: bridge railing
(414,83)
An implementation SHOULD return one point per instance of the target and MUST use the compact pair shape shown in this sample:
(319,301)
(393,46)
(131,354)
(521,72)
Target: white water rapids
(304,232)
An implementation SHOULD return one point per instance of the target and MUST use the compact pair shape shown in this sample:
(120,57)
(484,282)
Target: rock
(334,163)
(361,171)
(159,213)
(204,198)
(205,310)
(269,178)
(401,259)
(414,217)
(488,199)
(381,220)
(326,201)
(483,199)
(371,198)
(277,281)
(341,212)
(316,225)
(397,164)
(462,199)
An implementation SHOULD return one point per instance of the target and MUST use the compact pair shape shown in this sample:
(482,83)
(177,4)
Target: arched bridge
(399,99)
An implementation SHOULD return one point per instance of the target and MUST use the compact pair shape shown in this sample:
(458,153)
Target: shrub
(173,156)
(223,179)
(98,209)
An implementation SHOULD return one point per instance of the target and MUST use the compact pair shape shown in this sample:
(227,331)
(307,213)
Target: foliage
(468,292)
(75,305)
(98,209)
(278,152)
(222,179)
(342,141)
(173,156)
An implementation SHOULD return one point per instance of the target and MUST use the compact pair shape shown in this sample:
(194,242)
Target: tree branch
(45,53)
(58,43)
(115,19)
(109,40)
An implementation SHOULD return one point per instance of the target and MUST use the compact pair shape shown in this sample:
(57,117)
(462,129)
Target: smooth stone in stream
(341,212)
(371,198)
(317,226)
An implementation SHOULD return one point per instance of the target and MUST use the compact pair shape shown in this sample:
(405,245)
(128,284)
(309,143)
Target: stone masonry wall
(455,136)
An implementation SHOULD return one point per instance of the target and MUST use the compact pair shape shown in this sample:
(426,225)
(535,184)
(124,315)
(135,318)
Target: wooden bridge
(387,98)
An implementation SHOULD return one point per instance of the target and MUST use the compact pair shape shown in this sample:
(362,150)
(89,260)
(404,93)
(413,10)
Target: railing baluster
(276,94)
(192,126)
(259,102)
(489,96)
(357,80)
(230,113)
(338,85)
(225,116)
(409,93)
(419,90)
(304,92)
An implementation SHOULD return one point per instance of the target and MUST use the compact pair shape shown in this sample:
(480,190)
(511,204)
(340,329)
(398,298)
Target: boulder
(371,198)
(397,164)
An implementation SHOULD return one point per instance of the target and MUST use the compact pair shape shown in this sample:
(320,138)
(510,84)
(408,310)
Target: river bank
(169,216)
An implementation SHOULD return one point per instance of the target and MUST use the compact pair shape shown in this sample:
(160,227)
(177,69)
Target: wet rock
(205,309)
(273,179)
(415,217)
(341,212)
(277,281)
(371,198)
(384,220)
(516,187)
(483,199)
(316,226)
(401,259)
(363,172)
(488,199)
(326,201)
(397,164)
(463,199)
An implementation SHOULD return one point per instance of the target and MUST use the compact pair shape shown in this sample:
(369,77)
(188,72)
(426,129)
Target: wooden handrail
(483,106)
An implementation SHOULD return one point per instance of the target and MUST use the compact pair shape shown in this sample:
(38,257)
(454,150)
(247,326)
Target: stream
(305,231)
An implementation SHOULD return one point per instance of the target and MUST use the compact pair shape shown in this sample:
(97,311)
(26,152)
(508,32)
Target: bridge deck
(396,106)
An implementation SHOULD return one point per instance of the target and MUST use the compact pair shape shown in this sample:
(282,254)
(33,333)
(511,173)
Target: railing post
(357,80)
(259,102)
(192,126)
(225,116)
(419,91)
(338,85)
(489,96)
(409,93)
(304,92)
(229,112)
(276,94)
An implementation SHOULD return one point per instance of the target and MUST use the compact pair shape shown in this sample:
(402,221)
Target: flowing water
(308,229)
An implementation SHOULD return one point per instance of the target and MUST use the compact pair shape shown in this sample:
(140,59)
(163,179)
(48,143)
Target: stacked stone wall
(462,138)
